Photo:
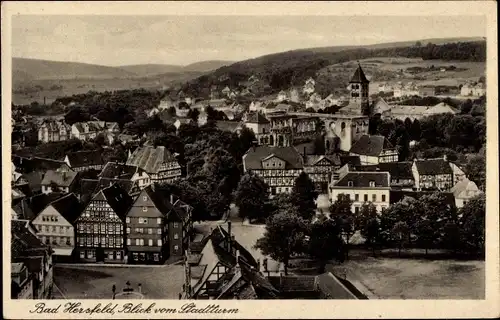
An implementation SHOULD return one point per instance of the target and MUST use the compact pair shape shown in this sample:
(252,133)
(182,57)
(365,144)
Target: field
(89,282)
(78,86)
(387,278)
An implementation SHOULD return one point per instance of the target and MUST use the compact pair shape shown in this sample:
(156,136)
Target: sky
(181,40)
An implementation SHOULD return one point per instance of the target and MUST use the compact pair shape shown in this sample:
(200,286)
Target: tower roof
(359,76)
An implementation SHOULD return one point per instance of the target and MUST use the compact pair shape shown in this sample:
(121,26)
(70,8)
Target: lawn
(82,282)
(388,278)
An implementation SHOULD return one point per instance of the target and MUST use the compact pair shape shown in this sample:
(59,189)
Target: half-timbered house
(100,227)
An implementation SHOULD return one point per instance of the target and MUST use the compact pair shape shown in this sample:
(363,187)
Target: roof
(363,179)
(34,180)
(117,198)
(39,202)
(256,117)
(311,160)
(61,179)
(150,159)
(381,105)
(359,76)
(442,108)
(462,186)
(118,170)
(371,145)
(397,170)
(287,284)
(254,156)
(433,166)
(85,158)
(398,195)
(16,267)
(230,126)
(22,239)
(352,160)
(68,206)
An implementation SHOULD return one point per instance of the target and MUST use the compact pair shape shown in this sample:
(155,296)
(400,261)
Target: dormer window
(350,183)
(372,183)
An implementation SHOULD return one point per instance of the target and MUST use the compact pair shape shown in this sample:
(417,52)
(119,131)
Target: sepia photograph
(247,157)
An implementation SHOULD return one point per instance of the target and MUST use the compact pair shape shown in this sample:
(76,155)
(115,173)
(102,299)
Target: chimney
(304,153)
(172,198)
(258,265)
(237,257)
(229,228)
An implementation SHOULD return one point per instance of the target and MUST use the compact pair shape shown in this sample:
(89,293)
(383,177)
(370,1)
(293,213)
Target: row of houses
(368,173)
(58,130)
(114,226)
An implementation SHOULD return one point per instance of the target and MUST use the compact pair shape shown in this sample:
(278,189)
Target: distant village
(61,215)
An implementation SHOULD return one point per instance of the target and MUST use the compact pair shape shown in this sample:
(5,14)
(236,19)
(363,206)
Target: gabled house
(401,174)
(181,121)
(362,187)
(51,131)
(114,170)
(432,174)
(55,224)
(464,191)
(159,163)
(373,149)
(100,228)
(90,129)
(156,227)
(221,253)
(21,281)
(320,169)
(28,249)
(59,181)
(85,160)
(277,166)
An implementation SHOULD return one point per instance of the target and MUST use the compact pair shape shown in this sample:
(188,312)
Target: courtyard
(95,282)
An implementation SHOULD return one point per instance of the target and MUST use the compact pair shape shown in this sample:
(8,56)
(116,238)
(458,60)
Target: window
(356,209)
(156,257)
(128,230)
(158,230)
(383,198)
(150,242)
(150,230)
(366,197)
(137,242)
(176,248)
(144,209)
(82,255)
(356,197)
(372,184)
(128,242)
(374,198)
(176,225)
(350,183)
(159,243)
(127,220)
(144,198)
(158,221)
(176,236)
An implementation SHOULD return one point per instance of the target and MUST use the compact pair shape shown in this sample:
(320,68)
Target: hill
(145,70)
(206,66)
(36,69)
(283,70)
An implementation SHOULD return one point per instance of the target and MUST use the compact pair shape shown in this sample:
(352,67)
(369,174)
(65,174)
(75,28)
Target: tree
(476,170)
(194,114)
(367,222)
(304,196)
(415,131)
(325,242)
(283,236)
(76,114)
(251,197)
(340,212)
(472,224)
(401,232)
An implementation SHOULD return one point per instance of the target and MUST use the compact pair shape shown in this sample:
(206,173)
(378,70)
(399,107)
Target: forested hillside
(286,69)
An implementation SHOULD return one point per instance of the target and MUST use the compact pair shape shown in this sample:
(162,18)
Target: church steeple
(359,87)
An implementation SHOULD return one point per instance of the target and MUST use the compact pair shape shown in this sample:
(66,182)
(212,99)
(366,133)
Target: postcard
(250,160)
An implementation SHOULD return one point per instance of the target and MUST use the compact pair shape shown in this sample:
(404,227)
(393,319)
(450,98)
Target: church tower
(359,95)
